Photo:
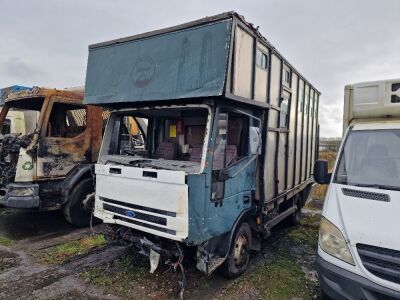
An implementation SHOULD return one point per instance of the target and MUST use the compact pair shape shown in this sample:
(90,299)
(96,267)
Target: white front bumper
(153,201)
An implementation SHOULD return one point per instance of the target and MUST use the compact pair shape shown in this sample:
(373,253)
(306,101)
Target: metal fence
(329,144)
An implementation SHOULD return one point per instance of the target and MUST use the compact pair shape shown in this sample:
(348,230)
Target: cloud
(19,70)
(332,43)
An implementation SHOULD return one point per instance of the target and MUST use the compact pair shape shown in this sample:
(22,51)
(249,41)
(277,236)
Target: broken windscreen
(21,116)
(167,138)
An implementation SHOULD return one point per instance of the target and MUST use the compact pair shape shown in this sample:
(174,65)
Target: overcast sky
(332,43)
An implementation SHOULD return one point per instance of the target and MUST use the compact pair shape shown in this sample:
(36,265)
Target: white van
(359,237)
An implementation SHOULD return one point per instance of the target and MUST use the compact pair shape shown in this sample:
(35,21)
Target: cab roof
(38,92)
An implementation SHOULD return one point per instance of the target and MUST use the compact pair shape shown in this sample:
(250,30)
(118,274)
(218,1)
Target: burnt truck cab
(49,141)
(231,137)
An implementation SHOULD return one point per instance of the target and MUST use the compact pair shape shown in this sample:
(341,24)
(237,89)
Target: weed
(62,252)
(5,241)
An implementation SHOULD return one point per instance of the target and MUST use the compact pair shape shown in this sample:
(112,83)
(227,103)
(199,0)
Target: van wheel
(76,210)
(296,216)
(239,253)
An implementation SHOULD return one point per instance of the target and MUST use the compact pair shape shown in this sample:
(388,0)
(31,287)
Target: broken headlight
(331,240)
(21,191)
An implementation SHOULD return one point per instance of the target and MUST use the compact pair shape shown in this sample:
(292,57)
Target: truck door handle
(115,171)
(246,199)
(149,174)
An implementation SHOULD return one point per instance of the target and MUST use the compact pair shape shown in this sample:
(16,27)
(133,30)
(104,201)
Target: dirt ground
(42,257)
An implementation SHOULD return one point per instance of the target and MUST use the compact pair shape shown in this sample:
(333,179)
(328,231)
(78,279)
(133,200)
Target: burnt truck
(49,142)
(232,135)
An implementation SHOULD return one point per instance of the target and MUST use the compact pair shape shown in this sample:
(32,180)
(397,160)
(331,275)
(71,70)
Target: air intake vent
(366,195)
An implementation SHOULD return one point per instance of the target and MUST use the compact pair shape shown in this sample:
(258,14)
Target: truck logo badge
(27,166)
(143,71)
(130,214)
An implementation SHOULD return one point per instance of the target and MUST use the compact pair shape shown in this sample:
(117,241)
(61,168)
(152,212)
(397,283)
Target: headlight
(21,191)
(331,240)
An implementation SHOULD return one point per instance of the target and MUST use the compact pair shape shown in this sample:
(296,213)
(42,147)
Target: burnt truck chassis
(69,163)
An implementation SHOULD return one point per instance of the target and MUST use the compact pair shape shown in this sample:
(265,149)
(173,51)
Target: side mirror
(321,174)
(255,140)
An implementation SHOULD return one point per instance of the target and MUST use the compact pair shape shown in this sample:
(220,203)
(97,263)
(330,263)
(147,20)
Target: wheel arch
(221,244)
(79,172)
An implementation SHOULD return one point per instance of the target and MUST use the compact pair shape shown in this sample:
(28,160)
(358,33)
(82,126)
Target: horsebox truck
(232,135)
(359,238)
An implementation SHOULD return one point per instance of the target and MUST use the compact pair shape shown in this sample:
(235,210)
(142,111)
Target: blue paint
(4,92)
(208,219)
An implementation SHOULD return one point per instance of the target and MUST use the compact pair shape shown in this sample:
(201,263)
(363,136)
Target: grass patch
(288,272)
(280,279)
(62,252)
(307,233)
(129,278)
(5,241)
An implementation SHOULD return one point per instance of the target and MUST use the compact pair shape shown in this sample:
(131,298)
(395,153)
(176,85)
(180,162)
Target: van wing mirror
(255,140)
(321,174)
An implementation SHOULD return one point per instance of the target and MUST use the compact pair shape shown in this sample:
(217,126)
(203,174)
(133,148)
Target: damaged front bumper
(168,251)
(20,195)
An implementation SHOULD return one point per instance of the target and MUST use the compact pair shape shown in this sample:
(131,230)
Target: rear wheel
(79,208)
(239,253)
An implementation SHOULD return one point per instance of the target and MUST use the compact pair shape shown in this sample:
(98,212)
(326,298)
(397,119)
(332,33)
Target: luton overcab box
(232,134)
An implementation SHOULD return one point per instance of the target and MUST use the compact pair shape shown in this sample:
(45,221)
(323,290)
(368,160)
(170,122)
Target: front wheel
(239,253)
(77,211)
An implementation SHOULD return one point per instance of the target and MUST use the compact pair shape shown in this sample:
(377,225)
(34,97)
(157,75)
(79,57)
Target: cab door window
(231,145)
(67,120)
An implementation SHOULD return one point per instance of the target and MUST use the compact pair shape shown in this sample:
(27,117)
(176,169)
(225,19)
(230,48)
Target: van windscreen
(370,158)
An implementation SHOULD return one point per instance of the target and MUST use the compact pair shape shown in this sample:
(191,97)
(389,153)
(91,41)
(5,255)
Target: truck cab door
(65,139)
(233,179)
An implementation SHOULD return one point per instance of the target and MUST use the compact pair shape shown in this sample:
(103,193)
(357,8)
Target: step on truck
(232,135)
(49,142)
(359,239)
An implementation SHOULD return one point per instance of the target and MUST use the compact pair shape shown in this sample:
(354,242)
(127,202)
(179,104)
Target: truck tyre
(239,253)
(296,216)
(73,210)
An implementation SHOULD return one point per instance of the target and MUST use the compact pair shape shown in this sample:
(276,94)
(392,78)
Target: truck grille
(128,213)
(135,215)
(382,262)
(140,207)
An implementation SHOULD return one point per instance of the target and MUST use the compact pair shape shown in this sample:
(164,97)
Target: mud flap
(154,260)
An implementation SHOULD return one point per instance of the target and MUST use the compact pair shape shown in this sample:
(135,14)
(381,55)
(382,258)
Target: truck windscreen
(22,116)
(173,134)
(370,158)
